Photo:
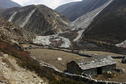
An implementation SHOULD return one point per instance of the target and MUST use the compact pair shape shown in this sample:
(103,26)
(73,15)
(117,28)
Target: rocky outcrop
(37,18)
(10,32)
(8,4)
(12,73)
(122,44)
(76,9)
(52,41)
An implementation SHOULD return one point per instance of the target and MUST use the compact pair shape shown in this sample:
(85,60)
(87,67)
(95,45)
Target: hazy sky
(50,3)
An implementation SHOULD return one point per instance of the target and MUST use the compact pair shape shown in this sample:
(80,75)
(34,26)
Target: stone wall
(90,72)
(109,68)
(79,77)
(74,68)
(54,70)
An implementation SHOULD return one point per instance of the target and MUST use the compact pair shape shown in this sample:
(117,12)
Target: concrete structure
(92,65)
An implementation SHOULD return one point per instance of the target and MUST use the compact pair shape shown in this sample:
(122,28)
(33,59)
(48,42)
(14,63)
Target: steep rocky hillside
(82,23)
(85,13)
(109,25)
(85,20)
(10,32)
(12,73)
(8,4)
(38,19)
(76,9)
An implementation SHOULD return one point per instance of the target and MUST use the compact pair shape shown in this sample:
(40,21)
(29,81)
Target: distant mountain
(8,4)
(1,10)
(74,10)
(109,25)
(38,19)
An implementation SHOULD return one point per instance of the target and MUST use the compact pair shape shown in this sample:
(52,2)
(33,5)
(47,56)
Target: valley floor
(59,59)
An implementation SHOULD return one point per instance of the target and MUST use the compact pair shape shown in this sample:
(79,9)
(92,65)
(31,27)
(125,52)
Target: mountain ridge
(76,9)
(8,4)
(109,25)
(38,18)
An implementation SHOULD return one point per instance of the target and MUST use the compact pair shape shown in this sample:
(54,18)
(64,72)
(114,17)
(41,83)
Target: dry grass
(103,53)
(120,65)
(50,56)
(118,78)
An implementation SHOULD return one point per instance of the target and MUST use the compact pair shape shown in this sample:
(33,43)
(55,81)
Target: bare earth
(12,73)
(51,57)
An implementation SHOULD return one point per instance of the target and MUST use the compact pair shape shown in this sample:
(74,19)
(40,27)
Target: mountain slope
(76,9)
(38,19)
(82,23)
(12,73)
(10,32)
(110,24)
(8,4)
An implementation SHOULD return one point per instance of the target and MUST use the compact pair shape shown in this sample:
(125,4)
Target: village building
(92,65)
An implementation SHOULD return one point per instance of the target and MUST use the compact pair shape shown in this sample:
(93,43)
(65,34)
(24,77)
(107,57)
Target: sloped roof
(94,62)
